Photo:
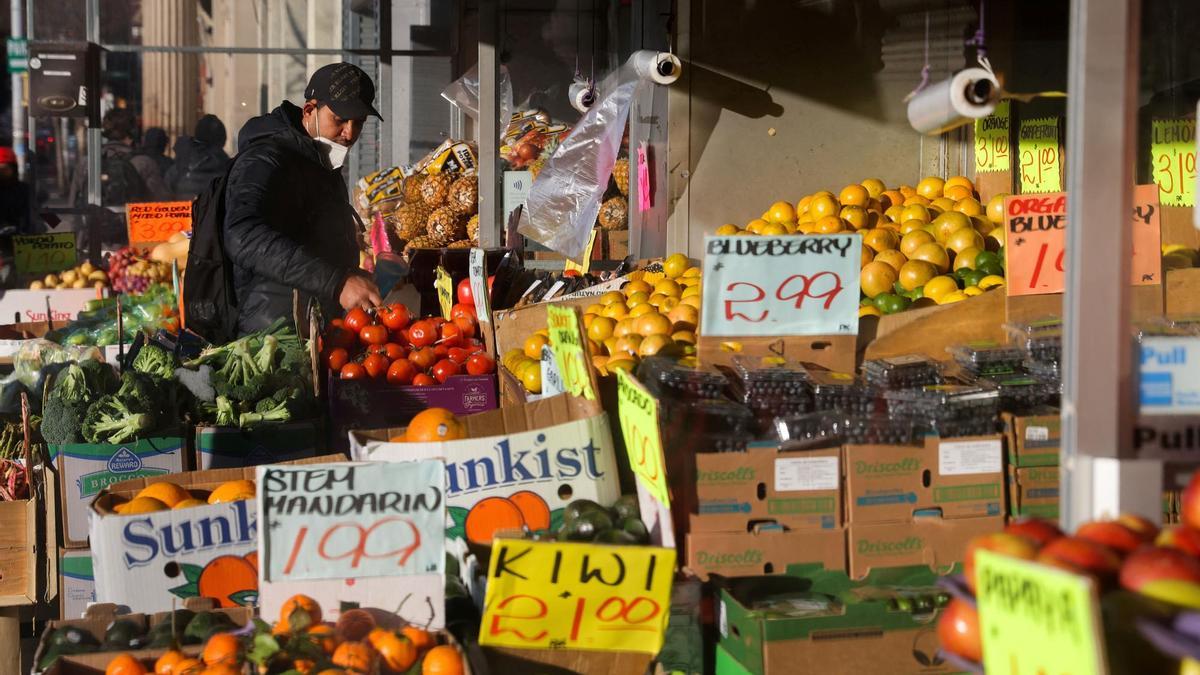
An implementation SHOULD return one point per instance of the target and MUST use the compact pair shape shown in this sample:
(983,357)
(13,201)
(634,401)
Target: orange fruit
(222,648)
(957,192)
(916,200)
(442,660)
(931,187)
(142,505)
(324,636)
(629,344)
(966,258)
(434,425)
(877,278)
(301,602)
(531,377)
(892,257)
(891,198)
(881,240)
(949,222)
(188,503)
(727,229)
(914,212)
(829,225)
(534,511)
(756,225)
(421,639)
(533,345)
(124,664)
(907,190)
(823,205)
(601,329)
(398,652)
(961,240)
(677,263)
(866,257)
(357,656)
(895,213)
(354,625)
(189,666)
(874,186)
(916,273)
(165,665)
(654,344)
(854,195)
(933,253)
(683,317)
(937,287)
(911,225)
(165,492)
(780,212)
(982,225)
(653,324)
(909,242)
(855,216)
(958,180)
(232,491)
(490,516)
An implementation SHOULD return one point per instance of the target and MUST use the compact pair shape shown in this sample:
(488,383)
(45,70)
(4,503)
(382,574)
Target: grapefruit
(876,278)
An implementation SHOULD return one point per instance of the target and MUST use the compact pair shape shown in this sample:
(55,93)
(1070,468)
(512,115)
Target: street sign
(18,55)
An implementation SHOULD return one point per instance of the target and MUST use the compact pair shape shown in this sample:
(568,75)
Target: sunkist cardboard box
(234,447)
(938,543)
(76,583)
(1033,491)
(148,561)
(551,451)
(1033,440)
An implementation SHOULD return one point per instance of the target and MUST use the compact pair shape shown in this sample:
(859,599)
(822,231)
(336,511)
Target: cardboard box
(77,582)
(85,469)
(564,661)
(616,244)
(936,542)
(559,448)
(1033,440)
(1033,491)
(233,447)
(22,306)
(18,552)
(365,404)
(955,478)
(148,561)
(862,635)
(798,490)
(765,551)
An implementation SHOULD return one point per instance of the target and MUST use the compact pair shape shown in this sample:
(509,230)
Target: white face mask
(334,152)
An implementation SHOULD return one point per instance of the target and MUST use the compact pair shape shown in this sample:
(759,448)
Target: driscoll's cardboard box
(550,452)
(953,478)
(936,542)
(76,583)
(764,551)
(1033,440)
(1033,491)
(85,469)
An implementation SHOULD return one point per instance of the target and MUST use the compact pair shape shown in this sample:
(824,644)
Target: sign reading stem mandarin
(44,253)
(776,286)
(1173,156)
(583,267)
(445,291)
(349,520)
(567,595)
(638,412)
(566,340)
(991,141)
(154,222)
(1035,619)
(1041,156)
(1036,234)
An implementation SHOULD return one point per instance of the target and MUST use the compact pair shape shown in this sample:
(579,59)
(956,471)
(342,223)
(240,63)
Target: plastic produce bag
(464,93)
(36,354)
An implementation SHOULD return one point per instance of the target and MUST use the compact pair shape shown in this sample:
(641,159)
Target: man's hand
(359,291)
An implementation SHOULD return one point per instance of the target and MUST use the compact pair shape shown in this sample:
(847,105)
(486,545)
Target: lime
(890,303)
(984,257)
(973,277)
(989,268)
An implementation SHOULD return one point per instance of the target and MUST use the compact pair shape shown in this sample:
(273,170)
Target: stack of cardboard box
(1033,459)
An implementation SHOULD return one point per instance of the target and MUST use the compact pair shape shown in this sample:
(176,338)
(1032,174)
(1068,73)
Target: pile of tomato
(388,344)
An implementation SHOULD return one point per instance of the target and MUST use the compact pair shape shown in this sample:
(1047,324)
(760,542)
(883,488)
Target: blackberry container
(707,425)
(1041,339)
(901,372)
(680,381)
(944,403)
(1023,392)
(823,428)
(986,359)
(778,380)
(841,392)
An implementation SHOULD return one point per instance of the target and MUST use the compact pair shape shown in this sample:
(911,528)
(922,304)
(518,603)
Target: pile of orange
(165,495)
(433,425)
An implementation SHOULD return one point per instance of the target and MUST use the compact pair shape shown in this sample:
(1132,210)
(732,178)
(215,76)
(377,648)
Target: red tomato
(337,336)
(336,358)
(401,372)
(395,317)
(474,345)
(437,322)
(394,351)
(468,325)
(461,310)
(452,335)
(423,380)
(422,333)
(353,371)
(337,322)
(376,349)
(400,337)
(458,355)
(480,364)
(571,273)
(445,369)
(356,319)
(465,296)
(373,335)
(376,365)
(441,351)
(423,358)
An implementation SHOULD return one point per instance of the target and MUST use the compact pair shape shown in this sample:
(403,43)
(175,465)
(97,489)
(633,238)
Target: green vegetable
(240,378)
(121,634)
(111,420)
(154,360)
(270,410)
(226,415)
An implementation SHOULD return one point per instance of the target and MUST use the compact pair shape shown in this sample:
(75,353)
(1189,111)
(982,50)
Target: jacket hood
(284,122)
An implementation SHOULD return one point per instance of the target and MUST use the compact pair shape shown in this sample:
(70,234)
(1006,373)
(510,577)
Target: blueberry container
(943,402)
(987,358)
(1041,339)
(770,376)
(681,381)
(901,372)
(841,392)
(830,429)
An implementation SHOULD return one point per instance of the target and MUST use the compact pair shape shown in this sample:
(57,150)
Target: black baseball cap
(345,88)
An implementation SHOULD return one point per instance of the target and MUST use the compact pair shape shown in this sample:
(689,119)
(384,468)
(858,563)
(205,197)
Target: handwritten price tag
(583,268)
(445,291)
(1041,156)
(564,595)
(567,342)
(781,285)
(348,520)
(155,222)
(1037,234)
(1173,154)
(477,272)
(638,413)
(1035,619)
(991,140)
(43,253)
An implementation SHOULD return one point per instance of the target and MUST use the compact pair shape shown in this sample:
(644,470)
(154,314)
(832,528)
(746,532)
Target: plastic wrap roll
(582,96)
(969,95)
(659,67)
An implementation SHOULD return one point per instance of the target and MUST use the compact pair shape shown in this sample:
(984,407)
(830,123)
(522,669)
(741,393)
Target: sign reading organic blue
(778,286)
(348,520)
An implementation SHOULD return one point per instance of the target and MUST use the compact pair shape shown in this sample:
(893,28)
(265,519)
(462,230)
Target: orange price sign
(1036,235)
(567,343)
(155,222)
(1173,154)
(991,141)
(1041,156)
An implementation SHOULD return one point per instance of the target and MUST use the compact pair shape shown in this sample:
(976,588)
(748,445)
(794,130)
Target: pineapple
(435,189)
(445,226)
(461,243)
(412,188)
(473,228)
(614,214)
(419,242)
(464,195)
(410,220)
(620,175)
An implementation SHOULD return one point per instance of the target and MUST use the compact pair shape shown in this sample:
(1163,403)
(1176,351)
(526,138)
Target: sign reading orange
(1036,236)
(155,222)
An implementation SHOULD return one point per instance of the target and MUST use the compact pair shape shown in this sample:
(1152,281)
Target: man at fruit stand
(288,220)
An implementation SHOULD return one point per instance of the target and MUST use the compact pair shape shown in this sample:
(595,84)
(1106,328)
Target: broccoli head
(226,415)
(154,360)
(139,390)
(71,385)
(62,420)
(101,377)
(111,420)
(240,377)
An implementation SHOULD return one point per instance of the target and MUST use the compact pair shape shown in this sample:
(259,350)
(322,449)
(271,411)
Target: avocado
(615,536)
(121,634)
(70,636)
(634,526)
(579,507)
(205,624)
(455,588)
(627,507)
(586,526)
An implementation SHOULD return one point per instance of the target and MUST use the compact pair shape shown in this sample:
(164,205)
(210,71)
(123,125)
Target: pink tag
(379,240)
(644,203)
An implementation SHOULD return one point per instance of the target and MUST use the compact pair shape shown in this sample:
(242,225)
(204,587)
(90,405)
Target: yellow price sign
(1035,619)
(43,253)
(991,141)
(1041,156)
(583,268)
(1173,155)
(567,343)
(568,595)
(445,291)
(638,412)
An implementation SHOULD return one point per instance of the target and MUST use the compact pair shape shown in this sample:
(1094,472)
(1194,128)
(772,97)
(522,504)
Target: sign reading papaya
(1041,156)
(566,340)
(1036,236)
(777,286)
(1173,156)
(43,253)
(991,140)
(1035,619)
(568,595)
(445,291)
(155,222)
(638,412)
(348,520)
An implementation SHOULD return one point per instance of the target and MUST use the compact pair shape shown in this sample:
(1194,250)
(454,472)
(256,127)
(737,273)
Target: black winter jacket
(288,222)
(196,165)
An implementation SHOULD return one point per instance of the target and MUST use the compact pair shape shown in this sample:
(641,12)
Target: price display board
(35,254)
(583,267)
(445,291)
(991,140)
(781,286)
(1041,156)
(155,222)
(638,413)
(567,343)
(1173,159)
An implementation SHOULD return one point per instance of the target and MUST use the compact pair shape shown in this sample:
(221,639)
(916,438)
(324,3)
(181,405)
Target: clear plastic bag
(464,93)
